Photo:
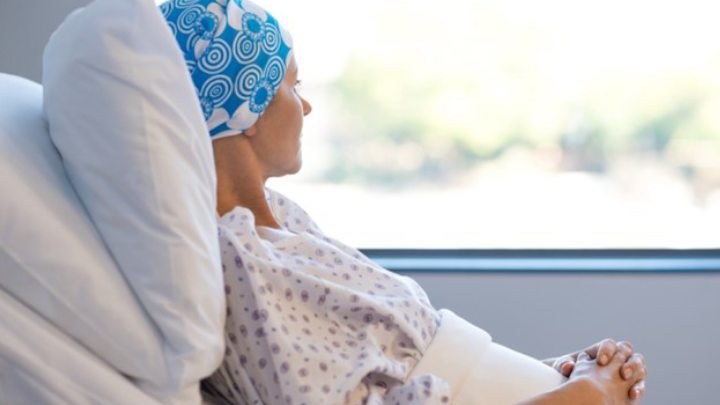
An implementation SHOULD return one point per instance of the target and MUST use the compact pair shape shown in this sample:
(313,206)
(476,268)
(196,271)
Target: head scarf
(237,55)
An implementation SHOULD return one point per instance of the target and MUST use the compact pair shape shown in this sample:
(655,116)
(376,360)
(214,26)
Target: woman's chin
(299,160)
(296,167)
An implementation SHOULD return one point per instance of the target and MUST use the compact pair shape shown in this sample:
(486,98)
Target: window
(509,124)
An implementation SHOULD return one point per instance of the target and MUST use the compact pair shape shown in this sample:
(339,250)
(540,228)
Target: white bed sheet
(40,365)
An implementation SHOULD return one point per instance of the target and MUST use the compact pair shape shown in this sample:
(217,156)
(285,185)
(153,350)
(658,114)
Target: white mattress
(40,365)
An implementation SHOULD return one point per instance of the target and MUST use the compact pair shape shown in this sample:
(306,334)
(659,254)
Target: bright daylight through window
(508,123)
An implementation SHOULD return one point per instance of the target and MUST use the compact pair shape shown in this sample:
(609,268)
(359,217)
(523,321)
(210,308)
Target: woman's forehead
(292,65)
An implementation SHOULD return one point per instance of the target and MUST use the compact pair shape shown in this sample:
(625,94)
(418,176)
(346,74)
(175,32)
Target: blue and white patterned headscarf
(237,55)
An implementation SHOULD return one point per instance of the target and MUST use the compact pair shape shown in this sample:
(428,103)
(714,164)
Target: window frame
(548,260)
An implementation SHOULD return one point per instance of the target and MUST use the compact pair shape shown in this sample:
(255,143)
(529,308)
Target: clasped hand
(603,352)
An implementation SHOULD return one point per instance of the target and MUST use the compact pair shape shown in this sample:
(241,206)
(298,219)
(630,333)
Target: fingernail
(628,374)
(637,392)
(603,359)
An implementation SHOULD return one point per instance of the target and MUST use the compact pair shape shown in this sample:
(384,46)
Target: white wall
(672,319)
(25,27)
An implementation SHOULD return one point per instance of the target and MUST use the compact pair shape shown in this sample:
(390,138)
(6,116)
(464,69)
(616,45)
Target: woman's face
(276,135)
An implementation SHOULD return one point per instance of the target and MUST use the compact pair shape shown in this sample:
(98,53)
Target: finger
(623,353)
(642,358)
(627,345)
(561,361)
(567,368)
(637,391)
(583,356)
(604,347)
(606,351)
(634,366)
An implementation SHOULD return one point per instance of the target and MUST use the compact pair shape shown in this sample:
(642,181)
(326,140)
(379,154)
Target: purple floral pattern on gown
(313,321)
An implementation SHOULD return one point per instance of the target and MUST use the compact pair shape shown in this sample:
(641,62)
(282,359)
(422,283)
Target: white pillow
(124,115)
(51,257)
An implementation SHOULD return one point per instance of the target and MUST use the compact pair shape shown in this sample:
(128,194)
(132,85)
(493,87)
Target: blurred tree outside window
(508,123)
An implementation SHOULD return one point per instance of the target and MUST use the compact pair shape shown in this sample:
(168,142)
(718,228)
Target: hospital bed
(110,288)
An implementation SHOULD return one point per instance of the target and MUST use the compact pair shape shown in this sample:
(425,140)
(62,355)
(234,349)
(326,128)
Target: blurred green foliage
(421,104)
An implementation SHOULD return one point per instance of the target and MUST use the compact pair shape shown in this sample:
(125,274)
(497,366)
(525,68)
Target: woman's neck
(253,201)
(241,183)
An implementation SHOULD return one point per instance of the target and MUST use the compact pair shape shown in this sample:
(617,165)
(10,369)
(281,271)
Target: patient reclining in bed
(309,319)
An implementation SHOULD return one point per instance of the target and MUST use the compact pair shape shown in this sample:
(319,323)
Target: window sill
(552,260)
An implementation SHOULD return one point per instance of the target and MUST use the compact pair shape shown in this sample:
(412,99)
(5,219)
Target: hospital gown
(313,321)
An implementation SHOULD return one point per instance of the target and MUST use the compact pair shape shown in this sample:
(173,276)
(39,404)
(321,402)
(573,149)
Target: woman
(309,319)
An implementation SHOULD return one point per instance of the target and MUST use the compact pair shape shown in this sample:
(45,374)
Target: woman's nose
(307,108)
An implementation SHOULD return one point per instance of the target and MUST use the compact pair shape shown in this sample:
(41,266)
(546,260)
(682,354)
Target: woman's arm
(575,392)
